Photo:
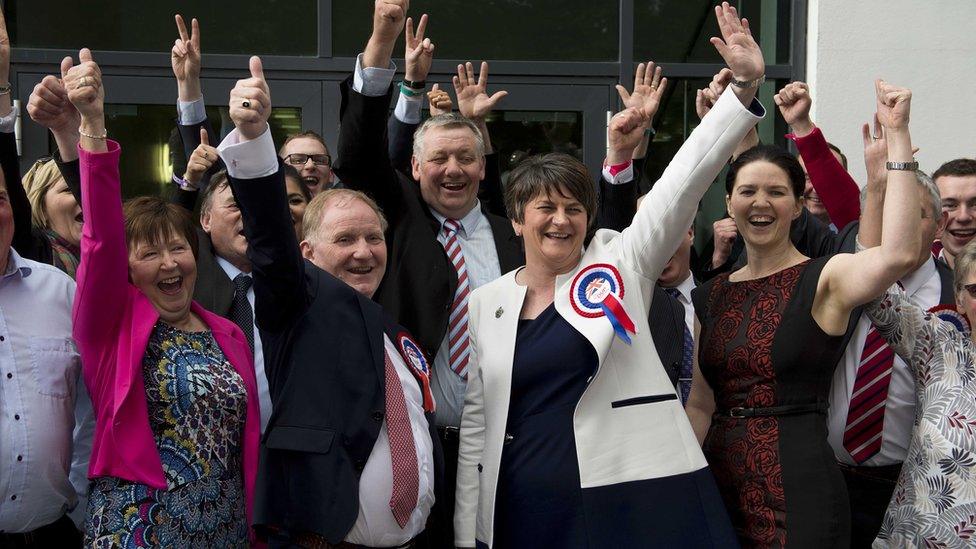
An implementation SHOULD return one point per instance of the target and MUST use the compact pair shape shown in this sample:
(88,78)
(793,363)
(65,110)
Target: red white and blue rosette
(949,313)
(598,290)
(418,365)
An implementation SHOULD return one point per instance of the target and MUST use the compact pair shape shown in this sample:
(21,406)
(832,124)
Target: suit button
(479,467)
(378,416)
(360,465)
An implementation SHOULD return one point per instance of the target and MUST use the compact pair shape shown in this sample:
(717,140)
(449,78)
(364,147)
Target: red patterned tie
(403,453)
(458,326)
(865,416)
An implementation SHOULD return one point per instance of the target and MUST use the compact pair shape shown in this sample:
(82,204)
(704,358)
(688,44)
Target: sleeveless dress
(197,404)
(763,354)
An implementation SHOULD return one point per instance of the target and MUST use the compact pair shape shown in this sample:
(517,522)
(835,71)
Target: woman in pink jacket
(176,439)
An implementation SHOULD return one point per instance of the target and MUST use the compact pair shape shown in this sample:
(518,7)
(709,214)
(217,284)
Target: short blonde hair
(316,209)
(965,263)
(38,180)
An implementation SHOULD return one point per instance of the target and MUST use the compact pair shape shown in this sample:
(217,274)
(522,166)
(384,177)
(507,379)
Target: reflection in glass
(518,134)
(280,27)
(151,147)
(567,30)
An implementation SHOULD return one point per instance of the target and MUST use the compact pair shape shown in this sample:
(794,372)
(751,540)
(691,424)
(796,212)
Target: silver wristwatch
(906,166)
(747,84)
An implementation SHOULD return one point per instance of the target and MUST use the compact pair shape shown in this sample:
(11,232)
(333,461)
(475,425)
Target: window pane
(518,134)
(568,30)
(151,147)
(677,31)
(280,27)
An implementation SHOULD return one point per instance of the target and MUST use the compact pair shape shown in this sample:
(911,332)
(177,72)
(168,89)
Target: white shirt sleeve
(408,108)
(372,81)
(249,159)
(189,113)
(8,122)
(625,175)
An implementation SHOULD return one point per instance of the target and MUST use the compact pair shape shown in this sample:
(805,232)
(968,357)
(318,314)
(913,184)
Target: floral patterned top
(197,404)
(934,503)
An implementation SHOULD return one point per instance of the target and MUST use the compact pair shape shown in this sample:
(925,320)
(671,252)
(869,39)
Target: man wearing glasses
(308,153)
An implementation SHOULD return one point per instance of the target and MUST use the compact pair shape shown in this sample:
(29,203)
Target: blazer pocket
(300,439)
(650,399)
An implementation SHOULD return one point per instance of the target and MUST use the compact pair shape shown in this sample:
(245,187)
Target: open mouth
(761,220)
(170,286)
(963,234)
(454,186)
(359,271)
(79,218)
(310,181)
(557,236)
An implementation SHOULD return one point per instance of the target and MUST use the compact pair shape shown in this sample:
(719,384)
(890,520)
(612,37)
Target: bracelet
(649,132)
(747,84)
(184,184)
(405,90)
(415,84)
(5,88)
(90,136)
(905,166)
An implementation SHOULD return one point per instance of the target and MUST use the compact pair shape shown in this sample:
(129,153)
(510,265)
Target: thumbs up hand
(250,102)
(83,83)
(202,159)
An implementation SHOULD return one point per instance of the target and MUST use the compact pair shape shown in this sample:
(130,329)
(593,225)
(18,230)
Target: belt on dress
(784,410)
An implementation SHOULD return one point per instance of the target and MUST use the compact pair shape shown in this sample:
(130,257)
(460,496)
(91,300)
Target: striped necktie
(687,352)
(458,324)
(403,452)
(865,416)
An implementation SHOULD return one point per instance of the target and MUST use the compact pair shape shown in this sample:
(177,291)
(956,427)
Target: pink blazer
(112,324)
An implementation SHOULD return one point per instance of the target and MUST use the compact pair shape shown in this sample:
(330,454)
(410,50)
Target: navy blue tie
(685,373)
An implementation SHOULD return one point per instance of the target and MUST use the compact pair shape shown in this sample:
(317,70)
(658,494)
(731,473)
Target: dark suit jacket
(420,280)
(324,358)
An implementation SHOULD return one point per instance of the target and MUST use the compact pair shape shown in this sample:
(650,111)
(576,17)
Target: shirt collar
(686,286)
(229,268)
(16,264)
(913,281)
(470,221)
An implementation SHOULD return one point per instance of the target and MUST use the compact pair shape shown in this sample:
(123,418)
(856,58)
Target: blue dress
(197,404)
(538,502)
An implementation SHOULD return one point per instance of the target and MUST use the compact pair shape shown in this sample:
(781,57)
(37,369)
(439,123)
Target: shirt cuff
(372,81)
(189,113)
(408,108)
(620,173)
(8,122)
(249,159)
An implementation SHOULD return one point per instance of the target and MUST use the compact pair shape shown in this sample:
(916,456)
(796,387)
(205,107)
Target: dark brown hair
(774,155)
(549,174)
(153,220)
(957,167)
(291,172)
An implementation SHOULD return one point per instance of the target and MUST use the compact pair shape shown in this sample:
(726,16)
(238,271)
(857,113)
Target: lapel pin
(499,312)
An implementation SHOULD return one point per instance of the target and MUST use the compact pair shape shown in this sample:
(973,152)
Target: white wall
(928,46)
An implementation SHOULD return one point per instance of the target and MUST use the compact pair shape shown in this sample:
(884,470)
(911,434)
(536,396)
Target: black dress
(538,501)
(761,349)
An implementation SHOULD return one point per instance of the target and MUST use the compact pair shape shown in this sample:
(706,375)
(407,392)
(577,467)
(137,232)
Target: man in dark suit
(435,209)
(350,453)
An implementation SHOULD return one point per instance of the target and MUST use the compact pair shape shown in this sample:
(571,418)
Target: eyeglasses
(298,159)
(971,288)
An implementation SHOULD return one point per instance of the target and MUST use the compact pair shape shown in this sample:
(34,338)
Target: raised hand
(419,51)
(875,152)
(49,106)
(894,105)
(649,86)
(625,131)
(4,51)
(794,104)
(388,18)
(439,101)
(250,102)
(202,159)
(472,97)
(737,46)
(83,83)
(725,232)
(185,58)
(706,98)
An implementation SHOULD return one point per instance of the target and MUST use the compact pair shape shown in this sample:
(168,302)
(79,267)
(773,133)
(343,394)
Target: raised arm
(705,99)
(258,183)
(103,273)
(836,188)
(850,280)
(649,87)
(475,104)
(49,106)
(418,56)
(668,210)
(198,167)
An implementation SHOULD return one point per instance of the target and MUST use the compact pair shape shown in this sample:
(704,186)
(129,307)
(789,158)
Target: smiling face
(317,177)
(959,202)
(763,204)
(296,204)
(553,230)
(63,212)
(165,271)
(349,244)
(450,170)
(222,221)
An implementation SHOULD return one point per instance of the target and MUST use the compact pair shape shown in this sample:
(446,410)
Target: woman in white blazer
(572,434)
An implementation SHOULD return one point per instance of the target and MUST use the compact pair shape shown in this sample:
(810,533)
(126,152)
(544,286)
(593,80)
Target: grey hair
(448,121)
(965,263)
(925,182)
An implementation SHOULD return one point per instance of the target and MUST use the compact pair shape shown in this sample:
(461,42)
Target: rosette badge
(598,290)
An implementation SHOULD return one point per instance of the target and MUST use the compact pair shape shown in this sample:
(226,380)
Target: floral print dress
(197,405)
(934,503)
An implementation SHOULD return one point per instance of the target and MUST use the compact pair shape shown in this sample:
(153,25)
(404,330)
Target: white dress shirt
(480,257)
(264,392)
(924,287)
(375,525)
(46,418)
(684,297)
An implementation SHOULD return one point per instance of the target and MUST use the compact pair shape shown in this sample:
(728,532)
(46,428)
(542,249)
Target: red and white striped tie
(403,451)
(865,416)
(458,325)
